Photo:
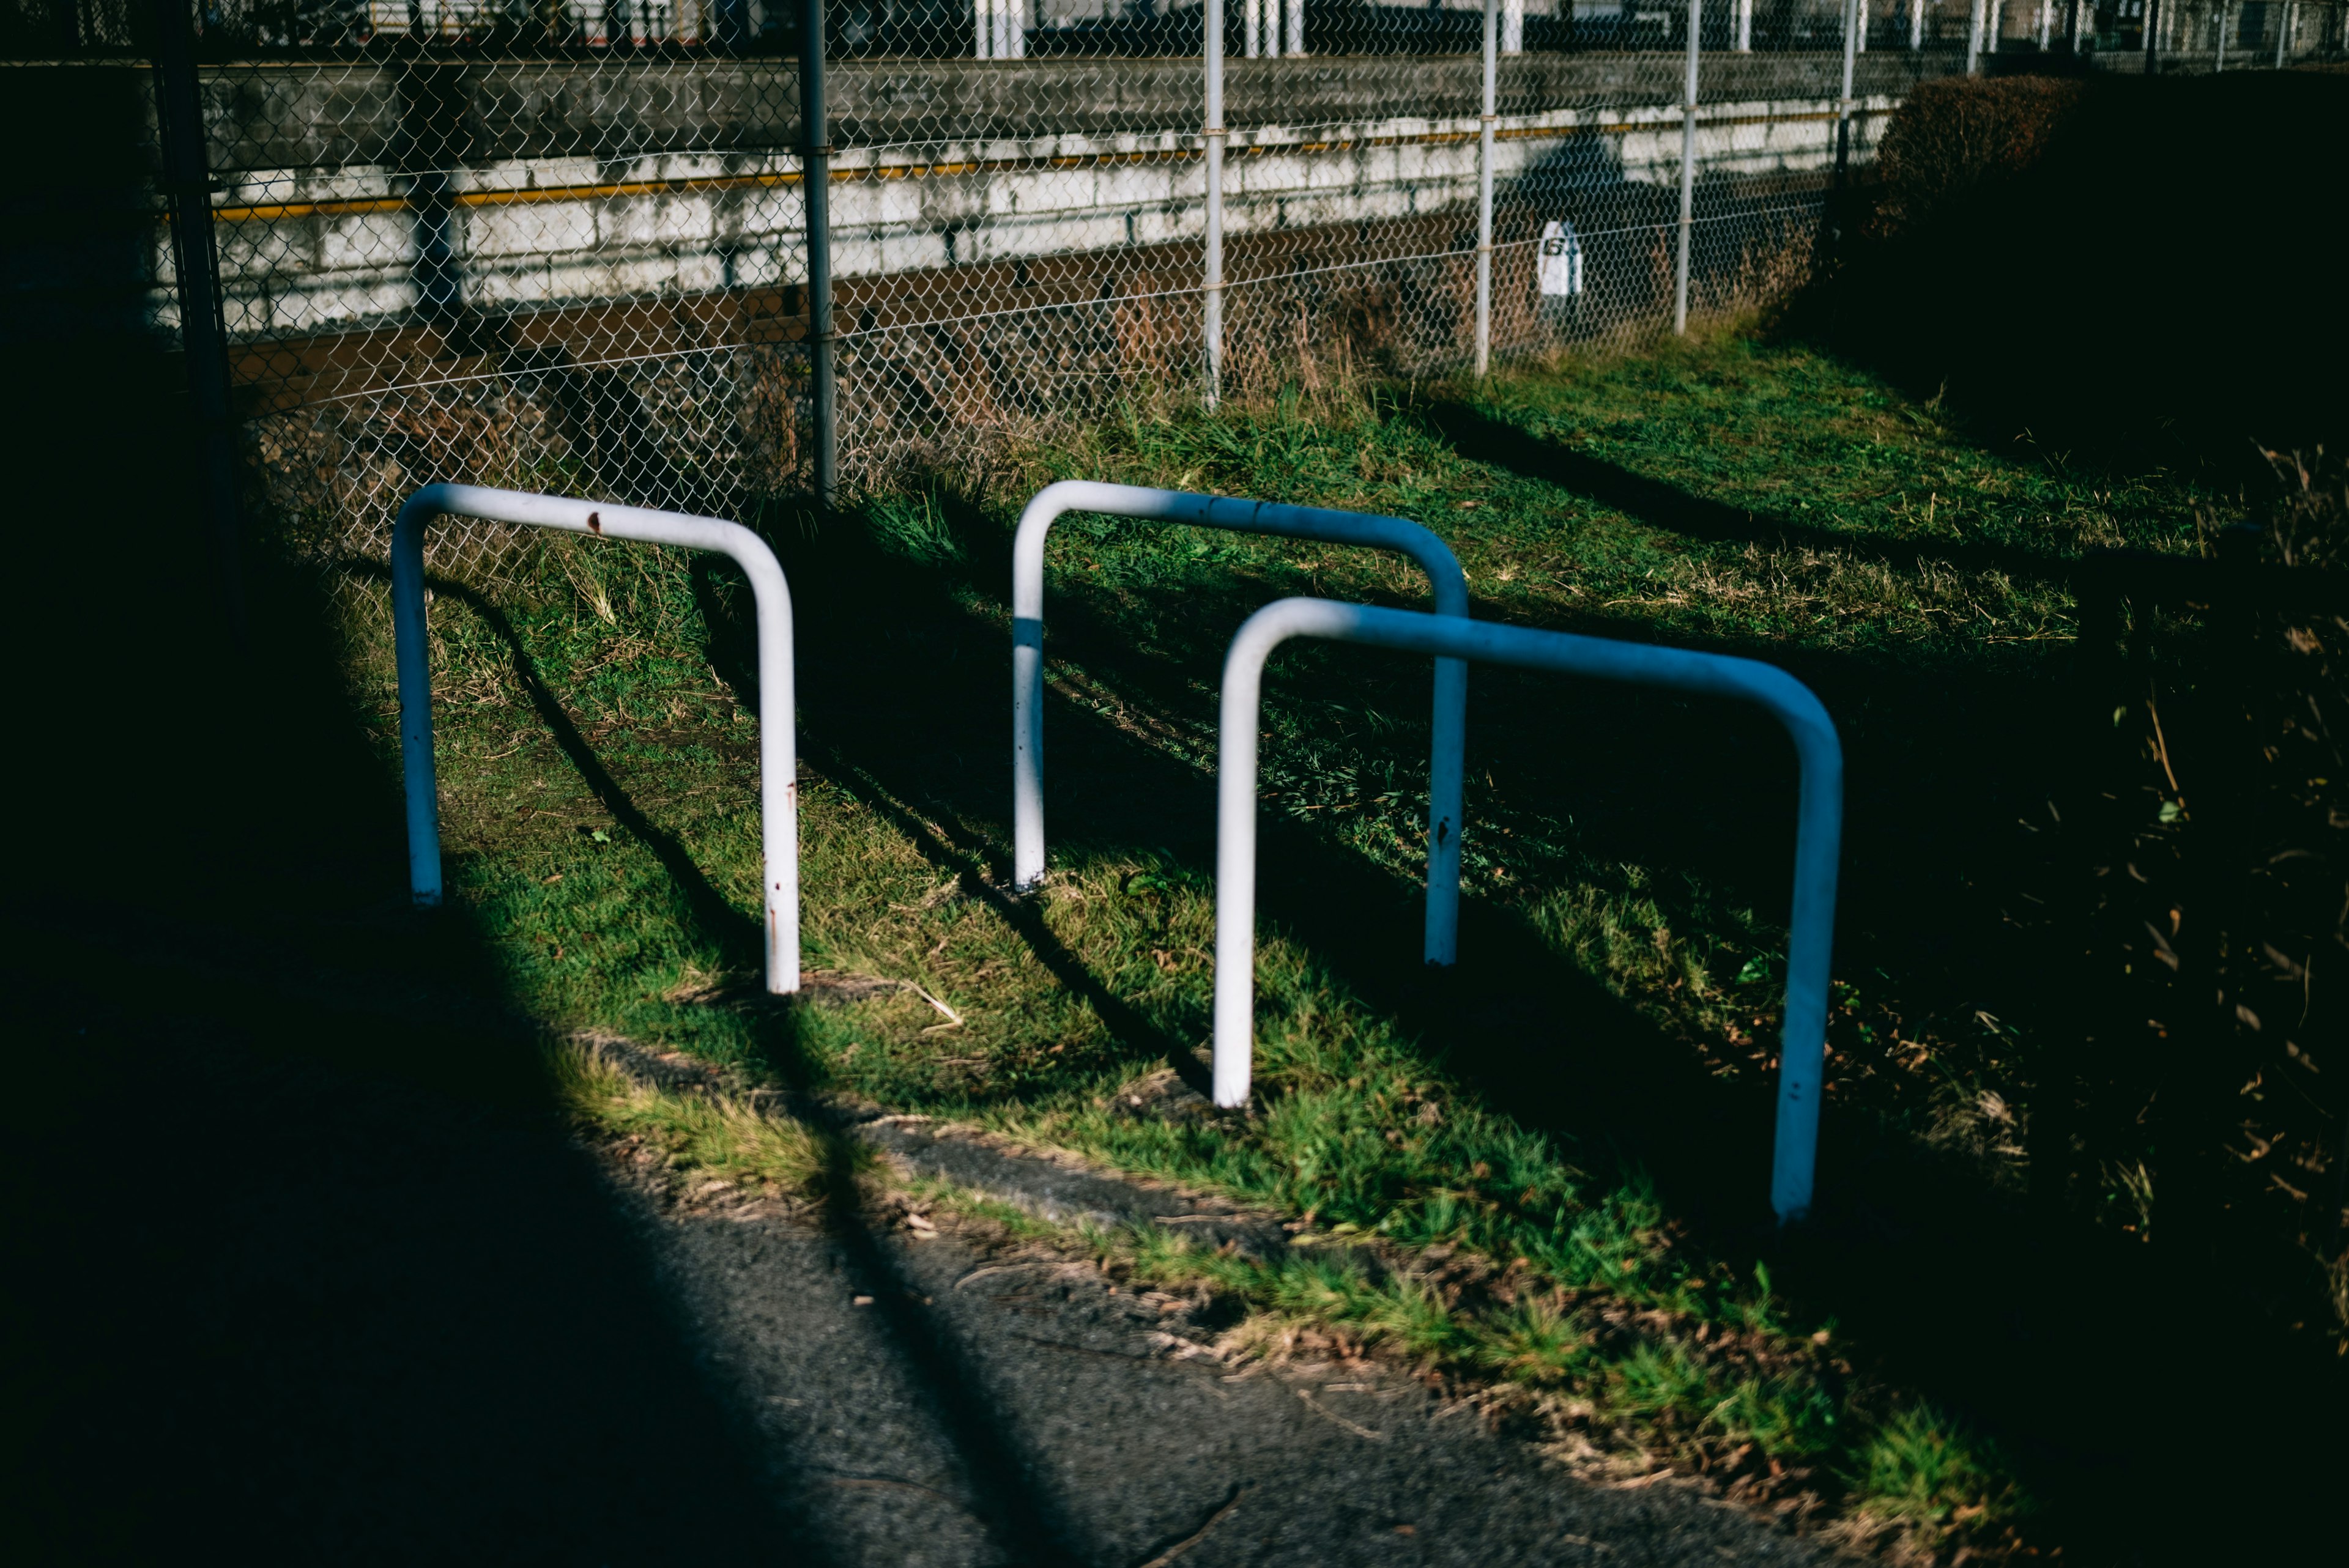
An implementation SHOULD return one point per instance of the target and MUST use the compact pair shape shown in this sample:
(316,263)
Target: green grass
(1920,1468)
(1730,493)
(716,1138)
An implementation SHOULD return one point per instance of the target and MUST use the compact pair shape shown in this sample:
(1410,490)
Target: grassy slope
(1571,1131)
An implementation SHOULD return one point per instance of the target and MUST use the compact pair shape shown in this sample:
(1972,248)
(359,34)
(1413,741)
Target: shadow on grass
(978,876)
(732,932)
(1477,436)
(904,691)
(1957,1288)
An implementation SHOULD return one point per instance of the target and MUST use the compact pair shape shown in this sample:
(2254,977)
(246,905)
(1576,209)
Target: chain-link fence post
(195,261)
(1484,189)
(815,183)
(1688,171)
(2152,35)
(1851,24)
(1212,282)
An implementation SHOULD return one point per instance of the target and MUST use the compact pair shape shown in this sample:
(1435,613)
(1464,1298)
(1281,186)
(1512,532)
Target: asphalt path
(264,1308)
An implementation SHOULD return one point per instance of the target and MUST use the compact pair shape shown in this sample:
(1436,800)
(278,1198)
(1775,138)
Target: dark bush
(1962,137)
(2134,269)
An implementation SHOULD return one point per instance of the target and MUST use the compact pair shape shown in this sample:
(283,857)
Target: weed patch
(713,1137)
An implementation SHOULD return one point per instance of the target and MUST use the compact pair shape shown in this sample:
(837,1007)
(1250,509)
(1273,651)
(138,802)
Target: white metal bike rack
(778,785)
(1817,833)
(1448,737)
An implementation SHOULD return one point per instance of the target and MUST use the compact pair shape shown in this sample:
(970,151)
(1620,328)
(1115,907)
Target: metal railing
(1818,827)
(1448,731)
(778,766)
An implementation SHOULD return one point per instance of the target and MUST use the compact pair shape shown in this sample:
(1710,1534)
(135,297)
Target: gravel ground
(264,1308)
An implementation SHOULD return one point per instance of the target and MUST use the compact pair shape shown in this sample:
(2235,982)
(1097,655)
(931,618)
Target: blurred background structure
(564,244)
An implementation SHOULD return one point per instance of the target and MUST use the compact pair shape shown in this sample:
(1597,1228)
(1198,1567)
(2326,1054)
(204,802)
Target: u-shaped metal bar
(778,766)
(1448,736)
(1818,823)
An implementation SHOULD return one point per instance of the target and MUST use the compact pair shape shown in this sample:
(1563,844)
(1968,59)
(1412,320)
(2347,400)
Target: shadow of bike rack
(777,782)
(1819,830)
(1449,730)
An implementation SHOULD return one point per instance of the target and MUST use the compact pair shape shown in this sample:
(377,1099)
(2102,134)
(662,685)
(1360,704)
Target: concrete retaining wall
(305,253)
(445,112)
(364,194)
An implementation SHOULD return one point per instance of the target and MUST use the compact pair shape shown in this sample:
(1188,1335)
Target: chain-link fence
(564,244)
(558,248)
(1315,201)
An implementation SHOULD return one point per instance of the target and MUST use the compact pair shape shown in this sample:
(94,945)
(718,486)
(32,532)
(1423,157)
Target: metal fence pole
(2220,64)
(1745,25)
(1002,28)
(1974,38)
(816,182)
(1843,105)
(1687,171)
(1212,289)
(2152,35)
(203,331)
(2284,31)
(1484,190)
